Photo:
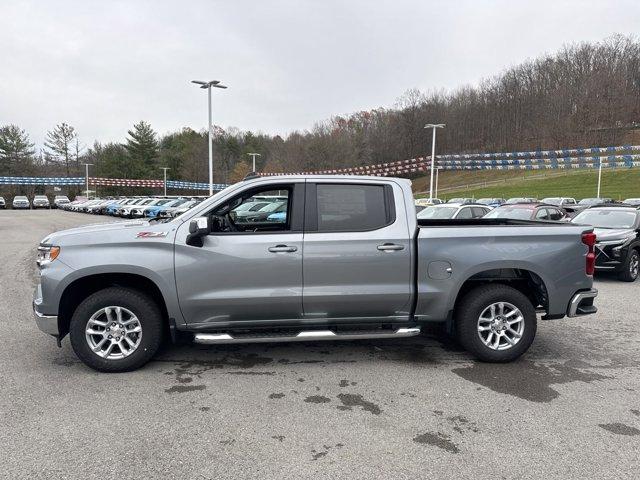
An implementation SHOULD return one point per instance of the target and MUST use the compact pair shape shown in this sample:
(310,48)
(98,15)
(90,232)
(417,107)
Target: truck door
(357,252)
(249,270)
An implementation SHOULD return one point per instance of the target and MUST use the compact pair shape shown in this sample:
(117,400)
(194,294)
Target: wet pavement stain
(620,429)
(280,438)
(462,424)
(525,379)
(276,395)
(635,412)
(351,400)
(439,440)
(317,455)
(230,441)
(250,373)
(205,409)
(346,383)
(317,399)
(185,388)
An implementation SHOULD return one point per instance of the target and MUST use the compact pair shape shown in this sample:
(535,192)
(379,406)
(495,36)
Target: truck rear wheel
(116,330)
(496,323)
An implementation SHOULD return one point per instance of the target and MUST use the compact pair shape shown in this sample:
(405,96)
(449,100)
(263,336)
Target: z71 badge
(152,234)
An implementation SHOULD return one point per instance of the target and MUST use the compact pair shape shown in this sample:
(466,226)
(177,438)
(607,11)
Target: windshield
(606,218)
(457,200)
(552,200)
(589,201)
(517,200)
(510,212)
(438,212)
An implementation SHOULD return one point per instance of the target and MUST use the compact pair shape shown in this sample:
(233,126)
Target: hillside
(618,184)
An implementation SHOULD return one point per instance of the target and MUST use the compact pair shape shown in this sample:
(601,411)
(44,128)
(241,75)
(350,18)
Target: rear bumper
(582,303)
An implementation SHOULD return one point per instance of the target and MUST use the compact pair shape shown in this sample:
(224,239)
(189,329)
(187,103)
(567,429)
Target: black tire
(471,307)
(145,309)
(628,274)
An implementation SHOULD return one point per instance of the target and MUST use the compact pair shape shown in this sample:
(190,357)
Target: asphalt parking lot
(417,408)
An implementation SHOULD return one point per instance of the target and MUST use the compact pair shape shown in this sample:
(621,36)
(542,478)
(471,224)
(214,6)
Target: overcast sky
(103,65)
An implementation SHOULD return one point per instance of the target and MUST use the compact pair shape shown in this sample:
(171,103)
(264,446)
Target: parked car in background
(617,230)
(453,211)
(179,210)
(100,207)
(460,200)
(21,202)
(491,202)
(514,200)
(528,211)
(154,211)
(425,202)
(114,207)
(60,200)
(137,211)
(3,204)
(125,211)
(590,202)
(633,201)
(560,201)
(41,201)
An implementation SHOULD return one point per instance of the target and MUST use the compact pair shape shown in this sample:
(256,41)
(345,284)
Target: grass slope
(618,184)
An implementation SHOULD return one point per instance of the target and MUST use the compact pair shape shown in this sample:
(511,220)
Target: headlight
(47,254)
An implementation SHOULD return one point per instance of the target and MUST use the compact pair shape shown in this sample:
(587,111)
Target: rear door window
(353,207)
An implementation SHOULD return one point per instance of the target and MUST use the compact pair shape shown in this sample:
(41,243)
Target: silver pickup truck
(345,258)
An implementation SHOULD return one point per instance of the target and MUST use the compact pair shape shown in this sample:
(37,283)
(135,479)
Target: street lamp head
(212,83)
(435,125)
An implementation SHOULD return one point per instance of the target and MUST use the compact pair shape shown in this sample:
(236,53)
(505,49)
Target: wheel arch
(528,282)
(82,287)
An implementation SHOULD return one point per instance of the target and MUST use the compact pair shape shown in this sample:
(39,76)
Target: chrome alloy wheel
(113,332)
(500,326)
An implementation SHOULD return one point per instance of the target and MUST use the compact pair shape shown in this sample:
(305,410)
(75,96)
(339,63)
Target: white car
(60,200)
(449,211)
(41,201)
(20,201)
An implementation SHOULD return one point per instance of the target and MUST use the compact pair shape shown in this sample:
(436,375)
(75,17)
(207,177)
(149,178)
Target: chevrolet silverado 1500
(347,260)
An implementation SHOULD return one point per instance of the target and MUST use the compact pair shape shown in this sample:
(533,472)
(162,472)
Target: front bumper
(46,323)
(582,303)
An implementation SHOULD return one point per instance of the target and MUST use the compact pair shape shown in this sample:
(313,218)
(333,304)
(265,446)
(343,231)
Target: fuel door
(439,270)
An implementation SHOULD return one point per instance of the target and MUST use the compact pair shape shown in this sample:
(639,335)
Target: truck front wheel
(496,323)
(116,330)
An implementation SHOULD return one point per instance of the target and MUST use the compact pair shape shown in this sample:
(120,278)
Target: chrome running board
(304,336)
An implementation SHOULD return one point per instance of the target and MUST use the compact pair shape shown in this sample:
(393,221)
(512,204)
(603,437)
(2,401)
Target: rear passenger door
(357,252)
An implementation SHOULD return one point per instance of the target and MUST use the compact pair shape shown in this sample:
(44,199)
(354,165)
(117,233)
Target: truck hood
(608,234)
(129,230)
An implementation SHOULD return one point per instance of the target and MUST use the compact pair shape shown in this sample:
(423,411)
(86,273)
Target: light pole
(433,152)
(86,176)
(253,156)
(165,178)
(599,178)
(208,85)
(437,172)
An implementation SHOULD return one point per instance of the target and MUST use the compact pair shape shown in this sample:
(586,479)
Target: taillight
(589,239)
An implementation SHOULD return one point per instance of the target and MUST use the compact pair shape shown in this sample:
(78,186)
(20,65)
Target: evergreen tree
(142,147)
(16,151)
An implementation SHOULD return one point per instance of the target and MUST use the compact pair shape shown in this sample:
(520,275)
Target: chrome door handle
(282,248)
(390,247)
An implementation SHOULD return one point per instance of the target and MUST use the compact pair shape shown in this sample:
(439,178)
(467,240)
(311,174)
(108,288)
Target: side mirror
(198,228)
